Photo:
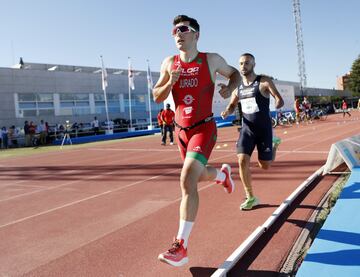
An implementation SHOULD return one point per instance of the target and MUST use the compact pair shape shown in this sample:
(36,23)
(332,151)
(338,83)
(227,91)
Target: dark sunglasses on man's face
(182,29)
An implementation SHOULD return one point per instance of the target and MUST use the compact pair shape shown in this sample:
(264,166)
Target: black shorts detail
(250,137)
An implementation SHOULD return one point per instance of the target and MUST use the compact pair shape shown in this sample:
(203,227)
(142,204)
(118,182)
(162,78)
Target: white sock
(184,231)
(220,176)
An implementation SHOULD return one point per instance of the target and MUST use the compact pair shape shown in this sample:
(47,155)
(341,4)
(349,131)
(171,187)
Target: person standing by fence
(95,125)
(4,137)
(167,117)
(32,132)
(160,122)
(27,133)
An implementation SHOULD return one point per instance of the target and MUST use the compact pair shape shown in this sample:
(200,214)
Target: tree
(354,78)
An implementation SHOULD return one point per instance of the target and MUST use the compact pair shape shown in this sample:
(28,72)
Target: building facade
(342,81)
(57,93)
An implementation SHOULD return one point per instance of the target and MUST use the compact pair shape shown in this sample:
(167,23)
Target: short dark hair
(192,21)
(248,55)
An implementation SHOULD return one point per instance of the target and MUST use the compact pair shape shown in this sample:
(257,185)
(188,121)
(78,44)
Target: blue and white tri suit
(256,121)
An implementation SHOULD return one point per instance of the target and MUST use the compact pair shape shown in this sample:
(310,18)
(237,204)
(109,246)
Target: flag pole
(129,68)
(104,85)
(149,92)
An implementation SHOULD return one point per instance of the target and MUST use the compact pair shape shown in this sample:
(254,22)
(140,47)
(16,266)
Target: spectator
(61,130)
(95,125)
(75,127)
(111,124)
(13,135)
(47,139)
(160,122)
(4,136)
(41,129)
(32,131)
(167,117)
(27,133)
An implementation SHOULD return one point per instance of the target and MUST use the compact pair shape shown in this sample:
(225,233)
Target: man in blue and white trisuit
(254,95)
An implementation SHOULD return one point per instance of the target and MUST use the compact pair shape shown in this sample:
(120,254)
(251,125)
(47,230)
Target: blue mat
(336,249)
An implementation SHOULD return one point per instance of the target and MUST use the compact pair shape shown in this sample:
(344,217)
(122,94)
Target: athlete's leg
(200,146)
(264,164)
(171,134)
(190,176)
(210,173)
(165,129)
(245,174)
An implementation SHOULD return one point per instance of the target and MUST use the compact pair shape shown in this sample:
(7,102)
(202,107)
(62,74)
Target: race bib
(249,105)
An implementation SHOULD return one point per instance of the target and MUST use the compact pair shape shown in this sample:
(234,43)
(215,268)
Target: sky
(77,32)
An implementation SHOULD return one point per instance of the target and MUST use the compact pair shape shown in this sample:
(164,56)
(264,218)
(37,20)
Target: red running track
(109,209)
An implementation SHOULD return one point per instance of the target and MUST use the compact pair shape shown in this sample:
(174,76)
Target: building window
(74,104)
(113,102)
(36,104)
(138,102)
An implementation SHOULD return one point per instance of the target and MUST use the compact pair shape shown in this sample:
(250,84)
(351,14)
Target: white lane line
(134,149)
(302,152)
(107,192)
(215,150)
(54,209)
(98,195)
(66,171)
(77,181)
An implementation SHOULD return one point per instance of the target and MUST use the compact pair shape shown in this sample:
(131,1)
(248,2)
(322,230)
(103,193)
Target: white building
(56,93)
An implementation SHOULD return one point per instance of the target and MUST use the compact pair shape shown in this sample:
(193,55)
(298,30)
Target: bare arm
(231,106)
(269,86)
(217,64)
(166,81)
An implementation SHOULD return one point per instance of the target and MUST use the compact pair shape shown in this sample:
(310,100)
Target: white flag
(149,78)
(131,76)
(104,75)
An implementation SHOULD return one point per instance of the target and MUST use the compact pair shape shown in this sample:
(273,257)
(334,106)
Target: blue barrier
(336,248)
(85,139)
(94,138)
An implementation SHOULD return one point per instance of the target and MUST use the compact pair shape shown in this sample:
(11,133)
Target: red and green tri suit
(193,96)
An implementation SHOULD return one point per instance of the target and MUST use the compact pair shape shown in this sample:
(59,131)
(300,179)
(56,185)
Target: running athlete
(297,109)
(190,77)
(307,109)
(344,108)
(254,95)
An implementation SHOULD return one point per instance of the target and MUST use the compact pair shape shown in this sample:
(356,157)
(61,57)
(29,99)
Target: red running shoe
(176,255)
(228,183)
